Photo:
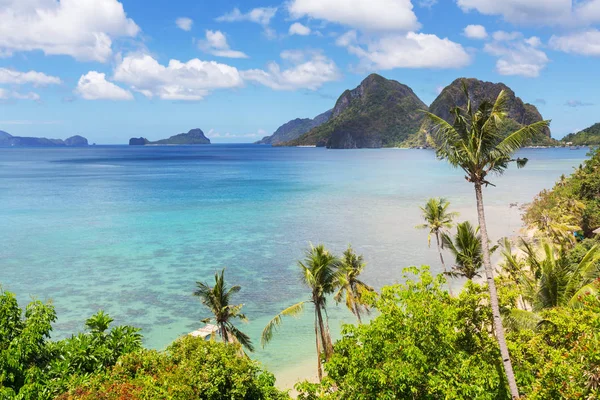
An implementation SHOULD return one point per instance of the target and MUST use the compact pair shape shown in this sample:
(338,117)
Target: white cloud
(227,135)
(375,15)
(9,94)
(298,29)
(94,86)
(346,39)
(578,103)
(184,23)
(14,77)
(261,16)
(216,44)
(517,55)
(412,50)
(586,43)
(81,29)
(538,12)
(191,80)
(475,32)
(307,70)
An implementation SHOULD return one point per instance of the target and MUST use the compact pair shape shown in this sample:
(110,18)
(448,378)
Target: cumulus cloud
(216,44)
(184,23)
(306,70)
(260,15)
(6,94)
(14,77)
(80,29)
(373,15)
(298,29)
(192,80)
(94,86)
(411,50)
(517,55)
(537,12)
(586,43)
(475,32)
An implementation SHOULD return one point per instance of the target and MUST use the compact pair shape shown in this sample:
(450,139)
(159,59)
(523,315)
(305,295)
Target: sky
(114,69)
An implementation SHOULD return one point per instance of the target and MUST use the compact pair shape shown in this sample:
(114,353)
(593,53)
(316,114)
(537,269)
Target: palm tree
(475,143)
(437,220)
(217,298)
(467,251)
(349,286)
(318,272)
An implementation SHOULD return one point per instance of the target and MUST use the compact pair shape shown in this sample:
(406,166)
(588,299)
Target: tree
(350,288)
(437,220)
(466,248)
(318,273)
(475,143)
(217,300)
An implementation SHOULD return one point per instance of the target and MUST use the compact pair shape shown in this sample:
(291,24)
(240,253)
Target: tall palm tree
(350,288)
(467,250)
(437,220)
(217,298)
(318,273)
(475,143)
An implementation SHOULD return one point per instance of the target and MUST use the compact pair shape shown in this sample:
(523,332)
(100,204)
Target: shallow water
(130,229)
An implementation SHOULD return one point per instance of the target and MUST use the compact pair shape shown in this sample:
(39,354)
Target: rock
(295,128)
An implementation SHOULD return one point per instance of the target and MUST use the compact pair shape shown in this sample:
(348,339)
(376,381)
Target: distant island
(385,113)
(194,136)
(587,137)
(8,140)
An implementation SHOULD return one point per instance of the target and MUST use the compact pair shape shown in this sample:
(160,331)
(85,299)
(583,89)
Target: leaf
(291,311)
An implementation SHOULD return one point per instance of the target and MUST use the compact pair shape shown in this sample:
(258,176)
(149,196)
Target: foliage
(34,367)
(466,249)
(191,368)
(573,203)
(424,344)
(437,217)
(217,299)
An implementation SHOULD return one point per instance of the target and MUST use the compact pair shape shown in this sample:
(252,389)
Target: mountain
(520,113)
(194,136)
(587,137)
(295,128)
(8,140)
(378,113)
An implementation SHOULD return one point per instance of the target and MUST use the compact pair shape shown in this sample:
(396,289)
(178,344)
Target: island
(8,140)
(194,136)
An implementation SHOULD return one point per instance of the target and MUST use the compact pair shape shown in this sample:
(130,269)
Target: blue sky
(110,70)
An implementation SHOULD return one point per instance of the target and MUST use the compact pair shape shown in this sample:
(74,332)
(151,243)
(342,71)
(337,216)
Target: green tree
(217,299)
(437,220)
(319,271)
(351,289)
(467,251)
(475,143)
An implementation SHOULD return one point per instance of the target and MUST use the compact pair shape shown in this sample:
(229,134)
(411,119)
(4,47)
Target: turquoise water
(130,229)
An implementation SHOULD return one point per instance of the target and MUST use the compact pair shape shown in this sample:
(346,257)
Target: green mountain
(295,128)
(378,113)
(587,137)
(194,136)
(520,113)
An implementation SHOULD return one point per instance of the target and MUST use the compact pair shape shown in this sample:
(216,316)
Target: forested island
(8,140)
(194,136)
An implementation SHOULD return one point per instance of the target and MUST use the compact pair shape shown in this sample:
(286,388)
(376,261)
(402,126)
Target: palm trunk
(437,239)
(489,272)
(319,370)
(326,343)
(355,307)
(224,335)
(357,312)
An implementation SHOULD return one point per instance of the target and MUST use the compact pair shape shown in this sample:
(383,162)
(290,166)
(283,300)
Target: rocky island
(385,113)
(8,140)
(194,136)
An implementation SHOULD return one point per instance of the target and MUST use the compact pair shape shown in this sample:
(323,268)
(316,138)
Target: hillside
(8,140)
(295,128)
(520,113)
(378,113)
(194,136)
(587,137)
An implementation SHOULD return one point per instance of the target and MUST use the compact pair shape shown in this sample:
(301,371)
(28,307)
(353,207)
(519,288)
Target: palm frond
(291,311)
(517,320)
(240,337)
(515,140)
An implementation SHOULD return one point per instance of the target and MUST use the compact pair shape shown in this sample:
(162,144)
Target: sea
(130,230)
